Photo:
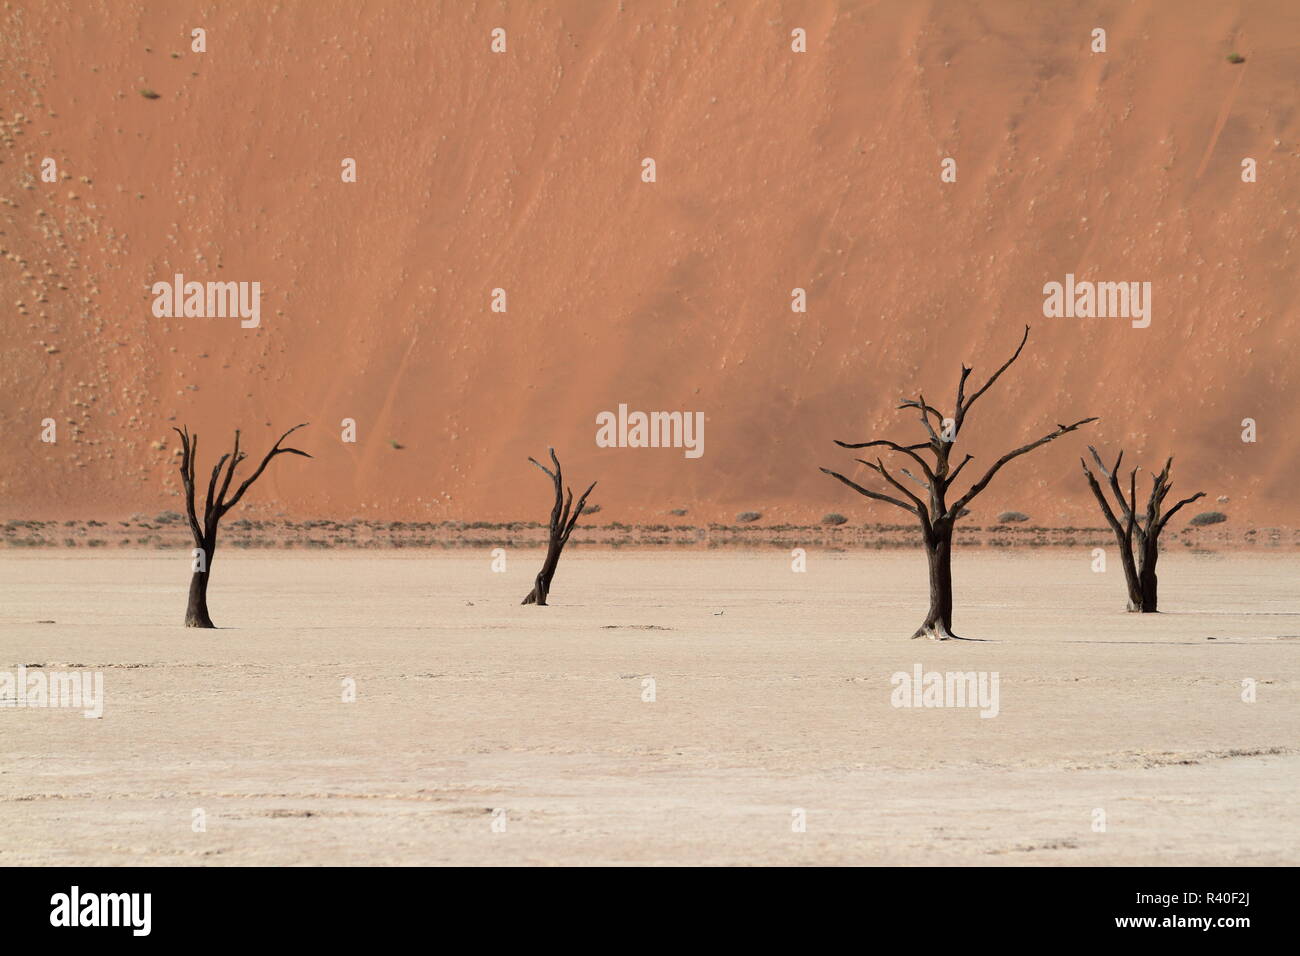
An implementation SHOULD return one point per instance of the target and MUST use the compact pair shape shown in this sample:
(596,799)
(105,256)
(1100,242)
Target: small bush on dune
(1208,517)
(835,519)
(748,516)
(1011,517)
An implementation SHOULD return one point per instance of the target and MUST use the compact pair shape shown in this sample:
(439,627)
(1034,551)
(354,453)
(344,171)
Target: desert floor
(772,694)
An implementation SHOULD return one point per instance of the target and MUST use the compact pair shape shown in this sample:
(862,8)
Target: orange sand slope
(522,171)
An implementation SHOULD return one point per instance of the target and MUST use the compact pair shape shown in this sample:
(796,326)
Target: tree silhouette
(937,517)
(561,526)
(1139,572)
(214,509)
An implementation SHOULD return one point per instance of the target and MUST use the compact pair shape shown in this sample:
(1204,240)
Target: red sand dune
(522,171)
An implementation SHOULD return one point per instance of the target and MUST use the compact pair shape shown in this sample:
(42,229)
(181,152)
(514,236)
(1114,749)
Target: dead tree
(932,508)
(1139,571)
(214,509)
(562,524)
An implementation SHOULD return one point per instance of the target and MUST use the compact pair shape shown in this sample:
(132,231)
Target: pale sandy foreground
(772,694)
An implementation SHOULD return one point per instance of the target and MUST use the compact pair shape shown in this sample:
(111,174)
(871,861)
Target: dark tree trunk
(542,583)
(196,611)
(938,548)
(1148,585)
(1131,578)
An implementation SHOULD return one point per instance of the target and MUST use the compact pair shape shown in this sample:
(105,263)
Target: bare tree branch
(926,411)
(909,450)
(963,409)
(980,485)
(212,488)
(870,494)
(919,481)
(961,385)
(1101,498)
(1174,510)
(188,450)
(1112,475)
(957,471)
(549,474)
(883,442)
(275,450)
(879,466)
(236,457)
(577,513)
